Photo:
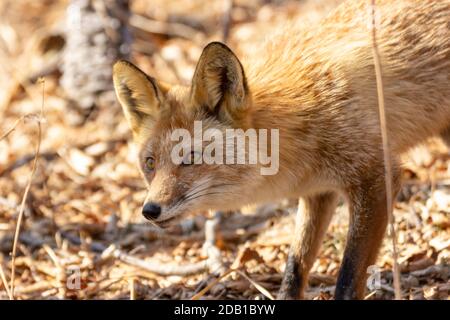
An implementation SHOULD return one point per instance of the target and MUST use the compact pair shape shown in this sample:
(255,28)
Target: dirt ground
(82,236)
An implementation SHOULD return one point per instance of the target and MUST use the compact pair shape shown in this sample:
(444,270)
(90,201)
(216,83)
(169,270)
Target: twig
(202,292)
(166,28)
(7,133)
(150,266)
(132,281)
(260,288)
(213,264)
(160,268)
(5,283)
(386,151)
(27,189)
(37,286)
(432,271)
(370,295)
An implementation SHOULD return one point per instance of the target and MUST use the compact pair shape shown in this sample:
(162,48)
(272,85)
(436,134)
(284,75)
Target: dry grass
(386,151)
(27,190)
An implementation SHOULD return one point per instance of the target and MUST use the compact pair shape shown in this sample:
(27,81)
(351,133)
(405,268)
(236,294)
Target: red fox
(318,88)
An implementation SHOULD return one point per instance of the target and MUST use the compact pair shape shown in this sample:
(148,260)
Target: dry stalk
(386,150)
(27,189)
(132,285)
(8,132)
(258,287)
(5,282)
(202,292)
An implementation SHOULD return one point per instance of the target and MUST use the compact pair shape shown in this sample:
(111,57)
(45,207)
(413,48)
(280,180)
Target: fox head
(218,97)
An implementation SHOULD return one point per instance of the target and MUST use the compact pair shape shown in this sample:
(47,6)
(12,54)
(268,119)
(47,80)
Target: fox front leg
(313,217)
(368,221)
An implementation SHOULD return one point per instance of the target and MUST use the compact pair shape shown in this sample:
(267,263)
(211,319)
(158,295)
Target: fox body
(318,88)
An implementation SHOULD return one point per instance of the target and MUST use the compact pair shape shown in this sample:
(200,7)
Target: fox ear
(139,95)
(219,82)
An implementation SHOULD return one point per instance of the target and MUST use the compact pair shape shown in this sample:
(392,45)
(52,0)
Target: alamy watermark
(374,279)
(234,146)
(73,280)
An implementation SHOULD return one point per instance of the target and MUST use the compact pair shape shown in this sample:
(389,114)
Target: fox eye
(150,163)
(192,158)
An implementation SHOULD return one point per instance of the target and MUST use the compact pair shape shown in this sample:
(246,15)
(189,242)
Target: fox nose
(151,211)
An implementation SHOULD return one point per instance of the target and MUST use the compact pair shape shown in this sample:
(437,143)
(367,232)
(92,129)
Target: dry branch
(172,29)
(163,269)
(213,263)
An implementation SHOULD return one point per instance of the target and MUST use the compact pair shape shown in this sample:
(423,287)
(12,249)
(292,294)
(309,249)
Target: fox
(317,86)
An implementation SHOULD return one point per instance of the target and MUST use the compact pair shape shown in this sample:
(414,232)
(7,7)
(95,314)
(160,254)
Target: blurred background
(82,235)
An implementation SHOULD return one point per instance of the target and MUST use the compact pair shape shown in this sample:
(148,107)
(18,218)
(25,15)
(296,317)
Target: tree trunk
(96,36)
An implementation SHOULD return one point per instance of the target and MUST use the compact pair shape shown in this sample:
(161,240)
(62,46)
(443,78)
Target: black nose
(151,211)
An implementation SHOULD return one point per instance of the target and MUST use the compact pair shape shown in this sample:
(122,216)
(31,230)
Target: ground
(82,236)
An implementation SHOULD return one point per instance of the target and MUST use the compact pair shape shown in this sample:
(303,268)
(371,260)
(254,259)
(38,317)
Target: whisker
(191,194)
(207,186)
(210,193)
(196,193)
